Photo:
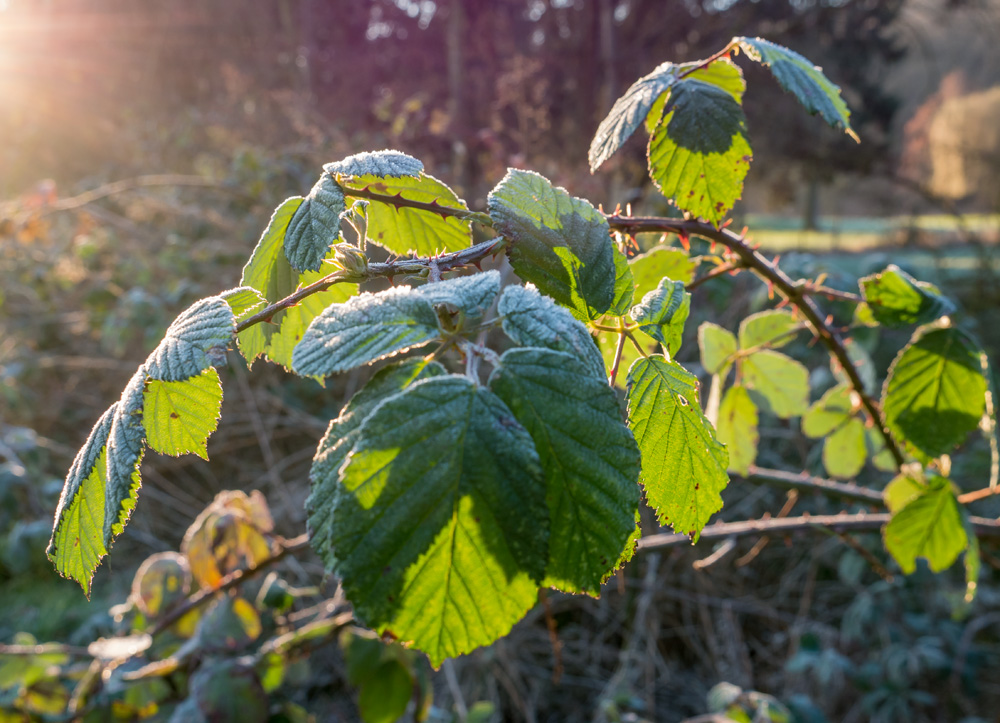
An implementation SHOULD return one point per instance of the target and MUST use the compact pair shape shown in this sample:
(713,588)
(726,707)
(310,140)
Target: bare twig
(838,523)
(807,483)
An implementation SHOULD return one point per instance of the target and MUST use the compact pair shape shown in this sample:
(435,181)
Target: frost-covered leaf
(663,312)
(930,525)
(589,457)
(382,164)
(470,295)
(405,230)
(126,444)
(77,543)
(531,319)
(699,153)
(443,532)
(315,225)
(244,301)
(896,299)
(737,428)
(773,328)
(797,75)
(179,417)
(844,449)
(197,339)
(645,98)
(340,437)
(629,112)
(935,392)
(683,464)
(649,268)
(558,242)
(717,346)
(782,382)
(364,329)
(624,286)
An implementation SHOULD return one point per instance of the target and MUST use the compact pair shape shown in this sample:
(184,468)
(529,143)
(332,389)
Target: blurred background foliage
(144,145)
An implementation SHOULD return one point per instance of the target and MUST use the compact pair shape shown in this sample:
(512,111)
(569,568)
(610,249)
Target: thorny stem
(399,201)
(445,262)
(774,276)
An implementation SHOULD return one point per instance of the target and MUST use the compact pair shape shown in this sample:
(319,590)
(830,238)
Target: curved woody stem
(796,294)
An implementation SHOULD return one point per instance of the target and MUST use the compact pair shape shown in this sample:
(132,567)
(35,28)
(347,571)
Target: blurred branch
(128,184)
(807,483)
(861,522)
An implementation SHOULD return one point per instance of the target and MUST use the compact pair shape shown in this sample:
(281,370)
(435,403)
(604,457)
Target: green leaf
(699,153)
(844,450)
(683,464)
(560,243)
(624,285)
(180,416)
(663,312)
(340,437)
(77,543)
(315,226)
(717,346)
(629,111)
(896,299)
(649,268)
(780,380)
(126,443)
(929,526)
(385,694)
(197,339)
(801,78)
(722,73)
(589,457)
(645,100)
(269,273)
(773,328)
(405,230)
(935,392)
(531,319)
(902,491)
(830,411)
(737,429)
(444,525)
(382,164)
(294,321)
(365,329)
(471,296)
(244,301)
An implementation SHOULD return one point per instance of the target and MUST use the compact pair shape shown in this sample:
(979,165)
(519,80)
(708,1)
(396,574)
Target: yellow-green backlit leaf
(180,416)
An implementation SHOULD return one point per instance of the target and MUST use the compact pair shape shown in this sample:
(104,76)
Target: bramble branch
(471,256)
(773,275)
(861,522)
